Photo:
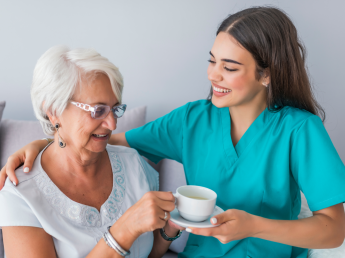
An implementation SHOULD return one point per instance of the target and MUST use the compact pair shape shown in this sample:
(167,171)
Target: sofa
(14,134)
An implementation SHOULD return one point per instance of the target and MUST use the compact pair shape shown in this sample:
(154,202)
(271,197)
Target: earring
(264,84)
(62,143)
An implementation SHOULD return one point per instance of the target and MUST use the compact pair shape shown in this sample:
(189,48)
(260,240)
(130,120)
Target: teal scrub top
(280,154)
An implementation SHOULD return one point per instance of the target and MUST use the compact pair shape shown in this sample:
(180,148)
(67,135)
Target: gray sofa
(15,134)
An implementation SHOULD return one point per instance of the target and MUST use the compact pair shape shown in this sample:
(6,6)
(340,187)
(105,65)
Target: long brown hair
(270,36)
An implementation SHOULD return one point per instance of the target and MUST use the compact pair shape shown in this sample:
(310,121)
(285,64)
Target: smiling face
(232,72)
(78,129)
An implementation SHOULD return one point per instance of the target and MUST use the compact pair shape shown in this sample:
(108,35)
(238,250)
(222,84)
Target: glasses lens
(101,112)
(118,111)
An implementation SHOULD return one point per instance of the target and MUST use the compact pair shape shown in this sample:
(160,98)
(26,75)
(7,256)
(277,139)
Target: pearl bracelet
(111,242)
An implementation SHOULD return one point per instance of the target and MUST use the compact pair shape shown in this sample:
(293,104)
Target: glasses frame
(93,109)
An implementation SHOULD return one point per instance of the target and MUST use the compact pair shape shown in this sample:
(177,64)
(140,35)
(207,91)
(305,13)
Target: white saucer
(177,219)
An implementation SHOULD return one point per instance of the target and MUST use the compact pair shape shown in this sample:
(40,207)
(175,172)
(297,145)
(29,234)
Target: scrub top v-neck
(280,154)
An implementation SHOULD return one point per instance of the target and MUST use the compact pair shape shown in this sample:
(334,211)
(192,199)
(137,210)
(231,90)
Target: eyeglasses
(101,111)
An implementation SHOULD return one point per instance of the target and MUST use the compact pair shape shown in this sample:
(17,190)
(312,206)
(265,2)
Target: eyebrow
(227,60)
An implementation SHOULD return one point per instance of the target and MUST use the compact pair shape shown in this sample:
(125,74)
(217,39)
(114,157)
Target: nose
(214,73)
(110,121)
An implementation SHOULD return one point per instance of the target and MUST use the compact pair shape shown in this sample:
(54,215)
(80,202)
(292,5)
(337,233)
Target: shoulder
(200,106)
(121,154)
(27,177)
(121,150)
(139,168)
(294,118)
(194,111)
(195,107)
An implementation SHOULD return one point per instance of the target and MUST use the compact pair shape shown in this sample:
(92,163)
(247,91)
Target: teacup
(195,203)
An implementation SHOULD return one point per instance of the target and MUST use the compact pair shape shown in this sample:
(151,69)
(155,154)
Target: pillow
(133,118)
(14,134)
(338,252)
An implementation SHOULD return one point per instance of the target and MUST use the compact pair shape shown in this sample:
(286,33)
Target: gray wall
(161,48)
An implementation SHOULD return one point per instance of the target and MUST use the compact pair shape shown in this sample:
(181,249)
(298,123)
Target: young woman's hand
(233,225)
(26,155)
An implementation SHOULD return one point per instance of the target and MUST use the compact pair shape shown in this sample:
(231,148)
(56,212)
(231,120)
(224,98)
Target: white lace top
(76,228)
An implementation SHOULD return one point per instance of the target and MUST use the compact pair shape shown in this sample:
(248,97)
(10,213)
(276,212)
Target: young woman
(257,141)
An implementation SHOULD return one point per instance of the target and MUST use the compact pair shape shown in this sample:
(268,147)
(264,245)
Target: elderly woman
(83,198)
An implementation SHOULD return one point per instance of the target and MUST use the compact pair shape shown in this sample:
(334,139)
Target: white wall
(161,48)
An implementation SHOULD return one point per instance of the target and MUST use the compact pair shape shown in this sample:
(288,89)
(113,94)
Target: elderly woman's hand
(233,225)
(151,212)
(26,155)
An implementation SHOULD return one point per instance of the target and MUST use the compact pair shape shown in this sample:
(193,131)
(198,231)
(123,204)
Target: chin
(221,102)
(97,147)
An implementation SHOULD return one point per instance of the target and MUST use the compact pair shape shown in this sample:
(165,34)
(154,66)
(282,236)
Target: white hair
(57,74)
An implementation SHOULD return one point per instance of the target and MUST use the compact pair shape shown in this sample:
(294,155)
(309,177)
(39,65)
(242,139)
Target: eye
(210,61)
(230,70)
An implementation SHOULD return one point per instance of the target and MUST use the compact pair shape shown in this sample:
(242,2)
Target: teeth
(100,135)
(221,90)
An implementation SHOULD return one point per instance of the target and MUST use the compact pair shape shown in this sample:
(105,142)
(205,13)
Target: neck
(242,116)
(72,162)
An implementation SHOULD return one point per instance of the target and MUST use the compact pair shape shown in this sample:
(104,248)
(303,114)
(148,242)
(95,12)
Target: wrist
(257,226)
(123,236)
(170,231)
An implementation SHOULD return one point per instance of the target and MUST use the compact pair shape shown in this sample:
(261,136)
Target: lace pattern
(81,214)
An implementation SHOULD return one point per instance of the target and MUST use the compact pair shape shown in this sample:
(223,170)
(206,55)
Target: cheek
(80,126)
(238,82)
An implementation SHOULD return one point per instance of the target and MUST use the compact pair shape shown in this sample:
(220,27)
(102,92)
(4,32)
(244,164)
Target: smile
(221,90)
(100,135)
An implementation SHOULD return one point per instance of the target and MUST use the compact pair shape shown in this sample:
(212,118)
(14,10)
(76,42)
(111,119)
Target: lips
(219,91)
(100,137)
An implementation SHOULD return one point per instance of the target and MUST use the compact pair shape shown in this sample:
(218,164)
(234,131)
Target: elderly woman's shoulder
(22,176)
(121,150)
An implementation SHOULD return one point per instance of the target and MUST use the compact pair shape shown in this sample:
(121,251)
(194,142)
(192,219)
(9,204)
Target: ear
(266,77)
(53,119)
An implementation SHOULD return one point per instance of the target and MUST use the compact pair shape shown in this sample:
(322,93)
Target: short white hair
(57,74)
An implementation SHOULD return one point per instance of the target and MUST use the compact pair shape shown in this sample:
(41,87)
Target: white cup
(195,203)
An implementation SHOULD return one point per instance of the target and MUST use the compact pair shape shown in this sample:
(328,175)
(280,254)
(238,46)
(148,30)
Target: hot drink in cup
(195,203)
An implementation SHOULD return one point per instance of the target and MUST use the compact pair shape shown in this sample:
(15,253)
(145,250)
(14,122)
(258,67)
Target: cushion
(171,176)
(14,134)
(319,253)
(133,118)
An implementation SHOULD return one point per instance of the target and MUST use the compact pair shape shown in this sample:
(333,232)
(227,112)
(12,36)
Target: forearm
(118,139)
(121,235)
(160,245)
(103,250)
(316,232)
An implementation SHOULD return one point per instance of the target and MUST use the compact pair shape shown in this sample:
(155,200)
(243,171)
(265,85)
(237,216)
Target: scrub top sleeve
(15,211)
(161,138)
(316,165)
(151,175)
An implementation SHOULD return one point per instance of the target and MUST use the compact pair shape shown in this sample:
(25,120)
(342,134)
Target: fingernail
(188,230)
(214,221)
(26,170)
(14,183)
